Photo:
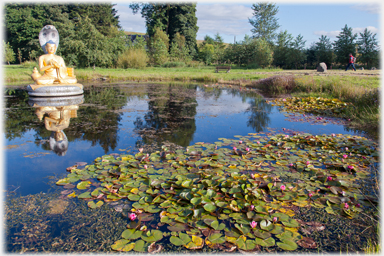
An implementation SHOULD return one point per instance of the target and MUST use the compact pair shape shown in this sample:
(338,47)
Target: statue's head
(50,47)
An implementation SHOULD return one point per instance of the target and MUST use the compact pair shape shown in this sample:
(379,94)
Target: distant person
(351,61)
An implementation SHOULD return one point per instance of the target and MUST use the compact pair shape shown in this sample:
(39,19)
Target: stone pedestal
(55,90)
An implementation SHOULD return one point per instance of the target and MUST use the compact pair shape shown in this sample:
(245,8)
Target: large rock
(322,67)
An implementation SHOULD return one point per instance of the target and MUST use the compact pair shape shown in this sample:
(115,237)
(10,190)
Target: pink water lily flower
(346,148)
(274,219)
(253,224)
(329,178)
(145,167)
(283,99)
(345,156)
(240,142)
(132,216)
(310,194)
(364,157)
(247,149)
(258,142)
(282,187)
(350,167)
(234,148)
(308,162)
(252,207)
(346,206)
(333,135)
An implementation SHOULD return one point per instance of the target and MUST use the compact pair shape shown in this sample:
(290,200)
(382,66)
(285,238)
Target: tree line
(91,36)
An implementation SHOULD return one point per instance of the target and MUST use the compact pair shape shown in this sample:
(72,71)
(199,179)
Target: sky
(310,20)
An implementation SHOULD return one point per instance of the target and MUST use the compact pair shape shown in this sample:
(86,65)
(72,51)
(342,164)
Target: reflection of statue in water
(56,75)
(57,120)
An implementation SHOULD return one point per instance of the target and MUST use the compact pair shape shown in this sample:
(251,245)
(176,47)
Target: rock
(361,68)
(322,67)
(373,68)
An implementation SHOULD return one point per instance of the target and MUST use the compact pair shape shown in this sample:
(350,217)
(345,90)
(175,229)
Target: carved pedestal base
(55,90)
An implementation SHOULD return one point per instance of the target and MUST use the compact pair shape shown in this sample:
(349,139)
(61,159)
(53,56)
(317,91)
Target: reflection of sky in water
(225,117)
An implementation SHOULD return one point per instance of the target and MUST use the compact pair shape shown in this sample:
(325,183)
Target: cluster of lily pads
(316,105)
(232,194)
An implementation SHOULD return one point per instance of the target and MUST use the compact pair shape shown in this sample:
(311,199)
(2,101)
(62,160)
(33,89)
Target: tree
(368,48)
(259,53)
(172,19)
(264,21)
(8,53)
(345,44)
(179,51)
(158,47)
(324,51)
(282,51)
(297,55)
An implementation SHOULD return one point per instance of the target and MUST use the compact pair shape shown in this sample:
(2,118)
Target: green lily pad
(287,245)
(131,234)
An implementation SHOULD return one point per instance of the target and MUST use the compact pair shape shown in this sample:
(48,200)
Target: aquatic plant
(223,197)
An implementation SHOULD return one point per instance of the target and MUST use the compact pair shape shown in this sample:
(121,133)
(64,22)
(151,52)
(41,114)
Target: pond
(123,120)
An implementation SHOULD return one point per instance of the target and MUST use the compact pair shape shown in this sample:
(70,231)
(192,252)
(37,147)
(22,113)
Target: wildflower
(132,216)
(329,178)
(253,224)
(274,219)
(252,207)
(282,187)
(346,206)
(345,156)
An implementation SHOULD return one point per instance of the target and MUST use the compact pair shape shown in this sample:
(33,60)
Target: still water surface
(122,117)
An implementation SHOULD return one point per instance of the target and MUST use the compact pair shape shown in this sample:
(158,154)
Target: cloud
(333,34)
(227,19)
(373,8)
(128,20)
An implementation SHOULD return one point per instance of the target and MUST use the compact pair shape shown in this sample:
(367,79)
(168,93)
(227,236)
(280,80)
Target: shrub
(30,64)
(133,58)
(277,84)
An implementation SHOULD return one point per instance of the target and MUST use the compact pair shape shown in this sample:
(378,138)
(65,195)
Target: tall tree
(368,48)
(324,51)
(171,18)
(297,55)
(264,21)
(282,50)
(345,44)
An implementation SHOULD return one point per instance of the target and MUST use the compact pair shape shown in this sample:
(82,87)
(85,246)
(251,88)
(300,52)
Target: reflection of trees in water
(259,108)
(170,117)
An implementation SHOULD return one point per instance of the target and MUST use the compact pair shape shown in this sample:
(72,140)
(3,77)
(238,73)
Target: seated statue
(53,67)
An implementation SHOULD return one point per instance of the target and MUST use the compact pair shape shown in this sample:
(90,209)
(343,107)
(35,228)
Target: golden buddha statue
(53,66)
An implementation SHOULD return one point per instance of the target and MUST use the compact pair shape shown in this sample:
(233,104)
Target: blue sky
(311,20)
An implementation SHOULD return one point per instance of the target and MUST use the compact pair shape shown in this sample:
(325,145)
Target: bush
(277,84)
(174,64)
(133,58)
(30,64)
